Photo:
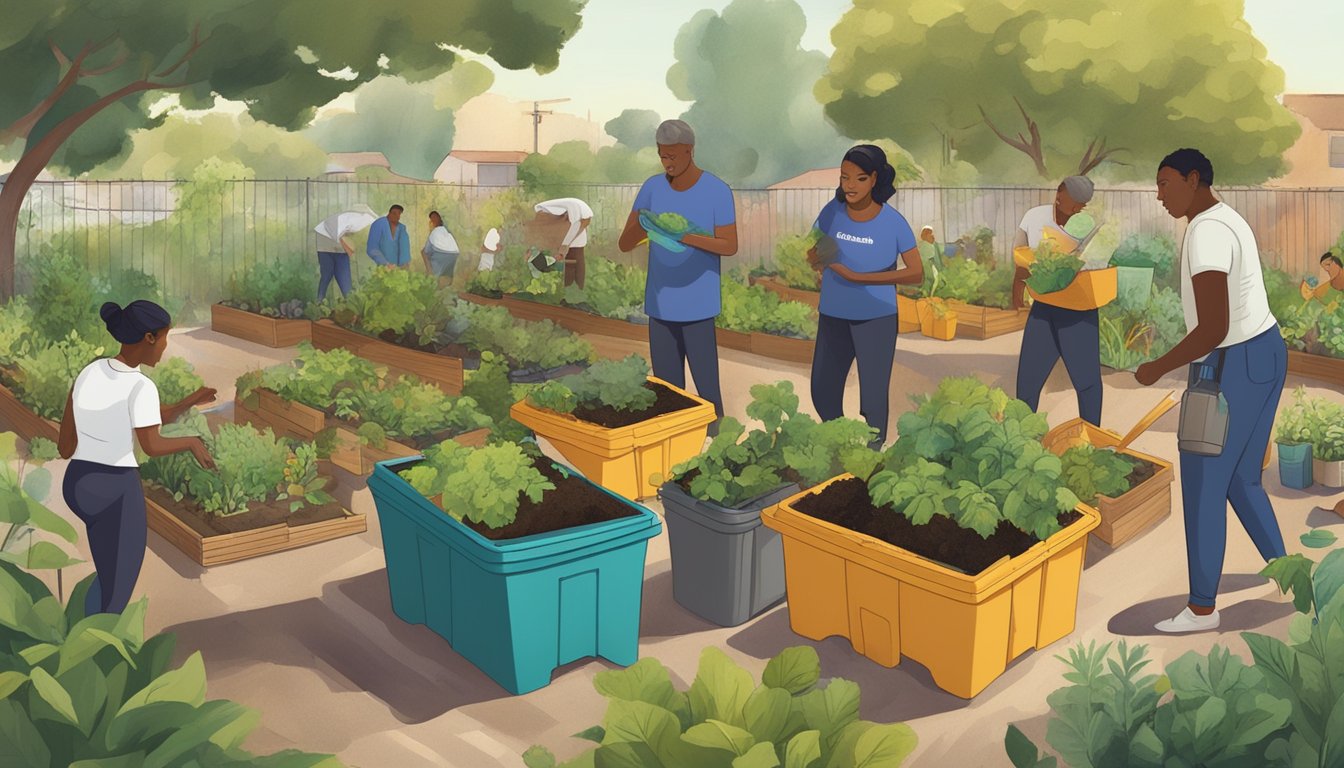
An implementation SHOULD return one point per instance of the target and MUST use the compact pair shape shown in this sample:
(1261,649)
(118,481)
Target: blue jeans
(1055,332)
(1253,376)
(672,345)
(333,265)
(110,501)
(842,343)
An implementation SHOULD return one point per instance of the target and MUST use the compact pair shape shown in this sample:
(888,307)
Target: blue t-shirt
(684,287)
(863,246)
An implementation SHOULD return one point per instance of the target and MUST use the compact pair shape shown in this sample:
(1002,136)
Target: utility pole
(536,114)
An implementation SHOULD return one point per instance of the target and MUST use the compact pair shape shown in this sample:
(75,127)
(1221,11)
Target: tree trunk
(11,202)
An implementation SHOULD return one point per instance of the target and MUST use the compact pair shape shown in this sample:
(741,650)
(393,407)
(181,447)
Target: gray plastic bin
(726,566)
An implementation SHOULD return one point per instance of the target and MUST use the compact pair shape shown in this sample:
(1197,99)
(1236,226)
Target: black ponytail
(871,159)
(129,324)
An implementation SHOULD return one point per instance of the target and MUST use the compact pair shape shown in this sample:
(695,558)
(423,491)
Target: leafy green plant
(249,467)
(315,378)
(1091,472)
(962,280)
(1141,250)
(972,454)
(483,485)
(45,374)
(490,389)
(175,379)
(726,720)
(129,285)
(1330,326)
(29,524)
(791,262)
(1052,270)
(525,345)
(613,290)
(401,302)
(301,482)
(753,309)
(738,466)
(61,286)
(281,288)
(997,291)
(409,408)
(620,384)
(17,332)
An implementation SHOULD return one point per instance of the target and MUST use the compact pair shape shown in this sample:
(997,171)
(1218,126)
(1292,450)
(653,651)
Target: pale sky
(620,57)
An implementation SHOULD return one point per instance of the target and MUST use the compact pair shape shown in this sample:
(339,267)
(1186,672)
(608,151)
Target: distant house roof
(1324,110)
(817,178)
(483,157)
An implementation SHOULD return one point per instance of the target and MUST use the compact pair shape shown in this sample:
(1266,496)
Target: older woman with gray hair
(1053,332)
(681,296)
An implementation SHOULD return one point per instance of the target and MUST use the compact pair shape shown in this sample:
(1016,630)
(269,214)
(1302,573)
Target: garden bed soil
(1142,472)
(259,514)
(573,503)
(608,417)
(846,503)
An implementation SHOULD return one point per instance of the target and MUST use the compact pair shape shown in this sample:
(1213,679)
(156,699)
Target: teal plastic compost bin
(517,609)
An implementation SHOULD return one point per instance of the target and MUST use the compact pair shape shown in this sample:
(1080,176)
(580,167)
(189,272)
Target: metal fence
(194,236)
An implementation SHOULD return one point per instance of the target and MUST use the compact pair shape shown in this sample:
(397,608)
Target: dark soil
(846,503)
(1143,472)
(573,503)
(610,418)
(259,514)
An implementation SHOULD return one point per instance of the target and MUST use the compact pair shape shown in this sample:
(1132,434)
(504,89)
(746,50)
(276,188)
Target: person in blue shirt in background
(389,244)
(875,251)
(682,295)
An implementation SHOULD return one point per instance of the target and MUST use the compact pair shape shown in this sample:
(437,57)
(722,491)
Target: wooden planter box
(575,320)
(23,421)
(1138,510)
(232,547)
(1327,369)
(783,348)
(441,370)
(733,339)
(777,287)
(268,331)
(977,322)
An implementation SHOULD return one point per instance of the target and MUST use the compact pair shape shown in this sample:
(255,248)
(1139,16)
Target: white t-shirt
(1220,240)
(111,401)
(1042,217)
(440,239)
(328,236)
(576,211)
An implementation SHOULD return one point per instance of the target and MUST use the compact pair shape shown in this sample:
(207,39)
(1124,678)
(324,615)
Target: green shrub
(494,395)
(1155,251)
(281,288)
(315,378)
(962,280)
(17,332)
(399,301)
(753,309)
(726,719)
(175,379)
(614,290)
(408,408)
(483,485)
(621,384)
(525,345)
(791,262)
(129,285)
(45,374)
(62,288)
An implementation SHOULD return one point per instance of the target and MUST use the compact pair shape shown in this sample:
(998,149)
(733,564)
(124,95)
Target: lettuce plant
(753,309)
(397,301)
(726,719)
(791,262)
(282,288)
(962,280)
(1091,472)
(408,408)
(525,345)
(620,384)
(614,290)
(483,485)
(1052,270)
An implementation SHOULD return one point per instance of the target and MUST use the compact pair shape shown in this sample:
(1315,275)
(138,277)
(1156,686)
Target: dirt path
(309,637)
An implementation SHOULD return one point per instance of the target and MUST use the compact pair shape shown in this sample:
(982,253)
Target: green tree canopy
(755,116)
(79,74)
(572,163)
(634,127)
(410,123)
(175,149)
(1047,88)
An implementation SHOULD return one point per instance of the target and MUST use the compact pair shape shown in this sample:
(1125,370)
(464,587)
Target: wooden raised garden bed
(777,287)
(268,331)
(569,318)
(207,550)
(441,370)
(1320,367)
(977,322)
(733,339)
(783,347)
(23,421)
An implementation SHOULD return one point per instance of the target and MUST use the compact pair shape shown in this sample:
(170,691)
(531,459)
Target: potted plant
(617,424)
(937,319)
(265,495)
(1326,422)
(726,566)
(962,551)
(269,304)
(790,719)
(519,563)
(1293,436)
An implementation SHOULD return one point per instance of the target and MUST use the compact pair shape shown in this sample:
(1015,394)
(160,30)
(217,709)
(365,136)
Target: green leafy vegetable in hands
(1091,472)
(1052,271)
(621,384)
(671,223)
(483,485)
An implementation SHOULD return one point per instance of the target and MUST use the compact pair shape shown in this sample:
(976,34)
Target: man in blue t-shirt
(389,244)
(681,296)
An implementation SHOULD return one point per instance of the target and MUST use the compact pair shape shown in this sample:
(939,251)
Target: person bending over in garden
(389,244)
(440,251)
(875,251)
(112,405)
(579,216)
(1232,329)
(681,296)
(334,249)
(1055,332)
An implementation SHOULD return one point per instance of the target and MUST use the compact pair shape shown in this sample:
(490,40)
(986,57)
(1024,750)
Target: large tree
(80,74)
(1047,88)
(754,113)
(175,149)
(635,128)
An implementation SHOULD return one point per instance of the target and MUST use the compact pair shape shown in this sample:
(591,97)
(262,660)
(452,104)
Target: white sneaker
(1188,621)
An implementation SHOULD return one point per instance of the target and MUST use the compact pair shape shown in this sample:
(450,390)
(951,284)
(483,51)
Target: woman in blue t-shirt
(857,319)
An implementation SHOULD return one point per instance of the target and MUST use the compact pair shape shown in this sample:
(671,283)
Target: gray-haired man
(1055,332)
(681,296)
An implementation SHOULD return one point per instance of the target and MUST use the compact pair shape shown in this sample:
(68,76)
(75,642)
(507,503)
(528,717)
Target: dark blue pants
(673,345)
(111,503)
(1253,376)
(841,343)
(333,265)
(1053,333)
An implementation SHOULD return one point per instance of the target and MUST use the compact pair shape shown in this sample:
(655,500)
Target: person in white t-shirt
(111,406)
(576,239)
(440,250)
(1236,337)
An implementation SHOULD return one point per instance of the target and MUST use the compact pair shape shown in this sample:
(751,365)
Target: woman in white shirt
(1236,338)
(111,405)
(440,250)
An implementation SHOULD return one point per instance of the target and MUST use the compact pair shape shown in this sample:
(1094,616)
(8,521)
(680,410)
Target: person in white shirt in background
(111,406)
(576,239)
(334,249)
(1227,312)
(440,250)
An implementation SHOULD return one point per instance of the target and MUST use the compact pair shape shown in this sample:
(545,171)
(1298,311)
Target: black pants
(111,503)
(1053,333)
(872,343)
(672,345)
